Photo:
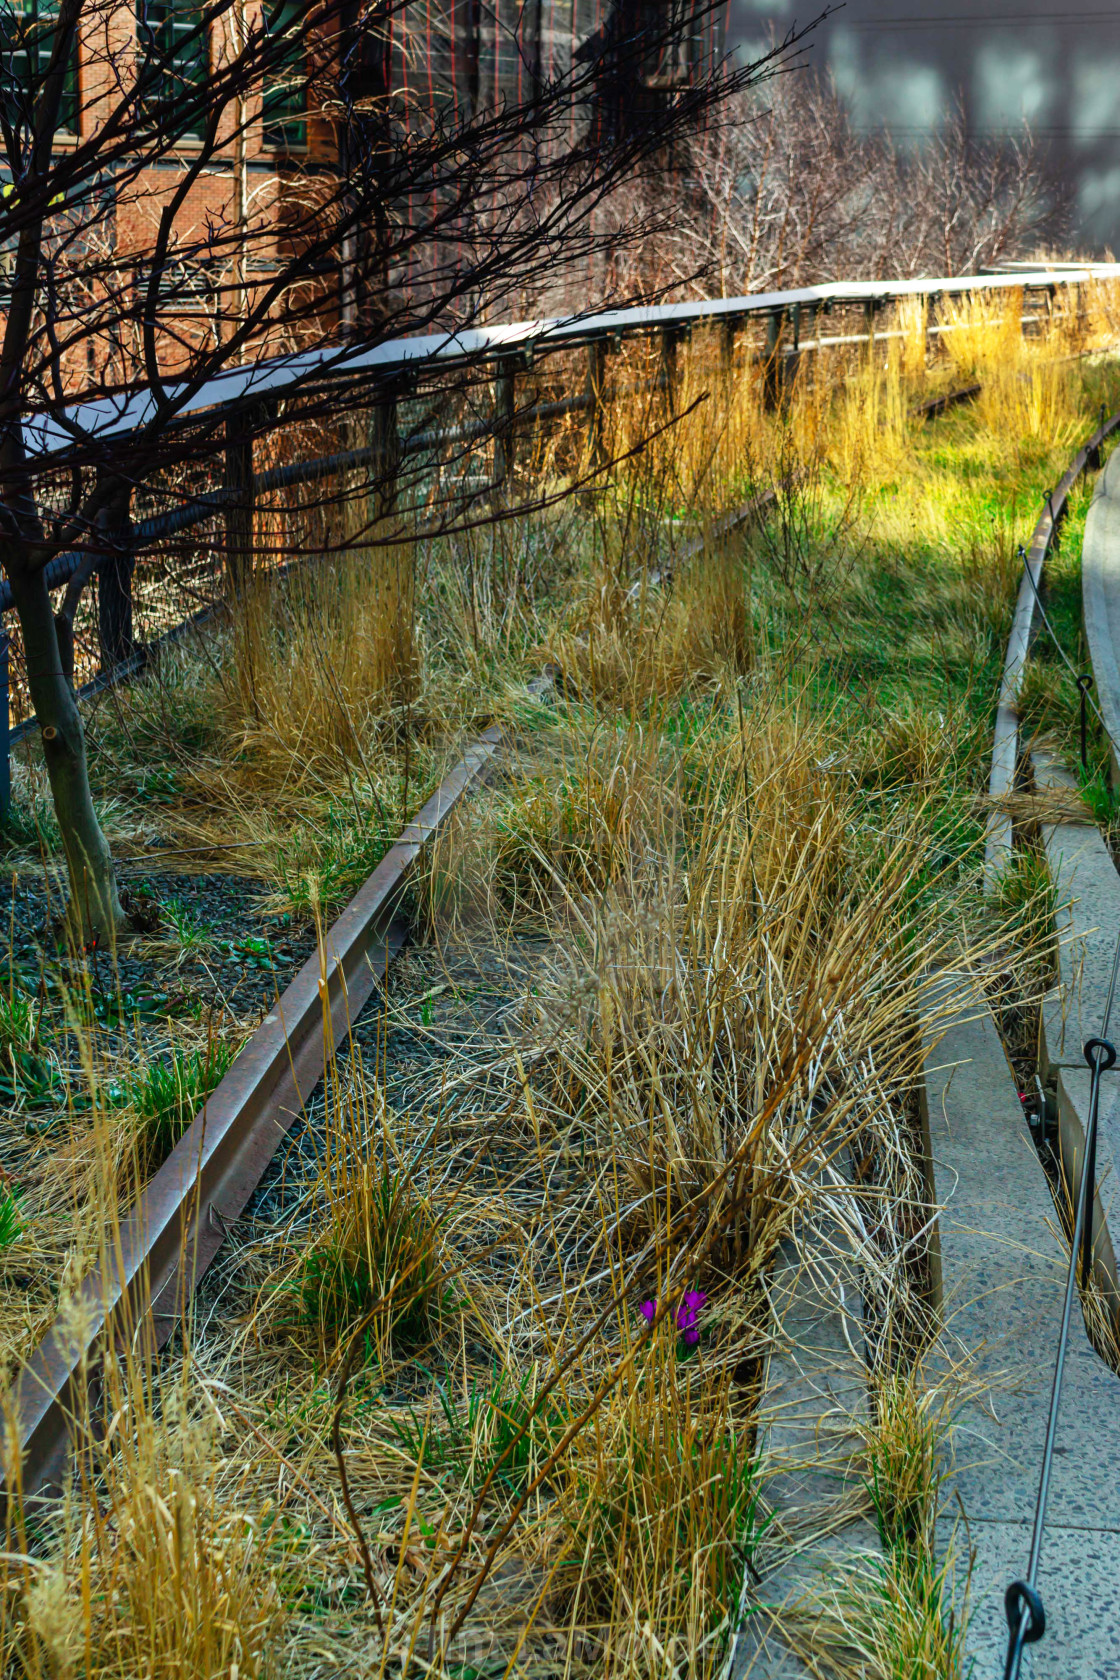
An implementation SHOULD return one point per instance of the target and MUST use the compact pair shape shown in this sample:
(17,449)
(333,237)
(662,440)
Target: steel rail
(182,1217)
(930,409)
(1005,742)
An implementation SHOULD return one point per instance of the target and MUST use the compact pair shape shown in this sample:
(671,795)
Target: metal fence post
(668,371)
(5,727)
(728,327)
(116,564)
(385,444)
(791,361)
(505,390)
(770,376)
(596,395)
(241,506)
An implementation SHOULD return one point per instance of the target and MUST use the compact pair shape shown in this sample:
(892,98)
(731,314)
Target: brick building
(235,167)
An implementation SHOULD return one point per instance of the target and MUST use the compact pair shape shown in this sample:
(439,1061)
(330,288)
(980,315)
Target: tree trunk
(95,912)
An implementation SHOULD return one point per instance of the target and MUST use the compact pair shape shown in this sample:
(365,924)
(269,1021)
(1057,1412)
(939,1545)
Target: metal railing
(1023,1606)
(235,398)
(304,371)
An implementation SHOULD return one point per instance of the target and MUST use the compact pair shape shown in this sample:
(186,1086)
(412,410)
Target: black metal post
(5,743)
(728,327)
(385,442)
(505,393)
(115,567)
(1100,1056)
(1084,682)
(241,507)
(770,376)
(596,393)
(668,371)
(791,361)
(1093,448)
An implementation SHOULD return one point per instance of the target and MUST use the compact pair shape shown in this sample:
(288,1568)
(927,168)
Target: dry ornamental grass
(476,1390)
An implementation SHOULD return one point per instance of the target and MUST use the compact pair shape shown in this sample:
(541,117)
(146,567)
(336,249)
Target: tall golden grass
(448,1411)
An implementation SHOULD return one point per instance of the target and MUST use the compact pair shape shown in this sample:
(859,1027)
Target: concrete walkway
(1003,1279)
(815,1403)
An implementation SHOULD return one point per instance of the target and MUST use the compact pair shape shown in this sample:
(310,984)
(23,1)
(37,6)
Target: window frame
(189,19)
(285,114)
(35,15)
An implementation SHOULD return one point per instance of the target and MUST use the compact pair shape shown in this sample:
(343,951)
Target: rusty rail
(1005,744)
(173,1233)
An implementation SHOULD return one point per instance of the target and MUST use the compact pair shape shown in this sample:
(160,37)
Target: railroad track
(174,1232)
(1006,744)
(1006,1286)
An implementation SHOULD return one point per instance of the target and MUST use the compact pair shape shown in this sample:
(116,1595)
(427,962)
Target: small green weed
(11,1220)
(19,1020)
(29,1077)
(496,1418)
(1099,796)
(253,951)
(168,1095)
(903,1462)
(318,869)
(902,1606)
(897,1618)
(29,823)
(160,785)
(1025,895)
(694,1498)
(191,933)
(118,1009)
(379,1260)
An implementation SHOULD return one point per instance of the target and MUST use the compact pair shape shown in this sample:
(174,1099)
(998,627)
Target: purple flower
(688,1316)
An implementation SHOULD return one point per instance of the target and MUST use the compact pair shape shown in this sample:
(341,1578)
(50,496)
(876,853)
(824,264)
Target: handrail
(1023,1606)
(46,437)
(394,366)
(210,502)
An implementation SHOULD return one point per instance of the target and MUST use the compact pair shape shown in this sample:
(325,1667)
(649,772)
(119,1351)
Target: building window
(26,42)
(284,105)
(172,63)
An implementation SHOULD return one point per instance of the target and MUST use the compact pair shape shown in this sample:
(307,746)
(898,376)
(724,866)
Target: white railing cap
(107,417)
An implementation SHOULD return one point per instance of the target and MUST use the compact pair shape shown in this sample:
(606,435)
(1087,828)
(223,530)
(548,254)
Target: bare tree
(142,265)
(781,192)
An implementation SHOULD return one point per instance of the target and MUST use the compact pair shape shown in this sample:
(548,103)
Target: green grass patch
(167,1096)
